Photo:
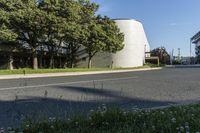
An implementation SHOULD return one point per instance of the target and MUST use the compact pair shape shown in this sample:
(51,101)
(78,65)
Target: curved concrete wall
(136,45)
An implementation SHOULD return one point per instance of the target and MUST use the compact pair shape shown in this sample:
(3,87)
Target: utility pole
(190,51)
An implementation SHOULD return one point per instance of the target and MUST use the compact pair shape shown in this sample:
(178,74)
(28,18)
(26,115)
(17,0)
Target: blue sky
(168,23)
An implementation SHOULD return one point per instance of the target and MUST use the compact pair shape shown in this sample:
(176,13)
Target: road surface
(64,96)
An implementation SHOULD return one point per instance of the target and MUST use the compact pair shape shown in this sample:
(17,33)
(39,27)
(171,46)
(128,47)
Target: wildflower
(162,112)
(173,120)
(99,108)
(144,125)
(52,127)
(51,119)
(153,127)
(124,112)
(187,128)
(103,105)
(182,129)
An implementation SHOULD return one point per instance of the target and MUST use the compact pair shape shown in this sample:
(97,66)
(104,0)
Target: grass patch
(182,119)
(40,71)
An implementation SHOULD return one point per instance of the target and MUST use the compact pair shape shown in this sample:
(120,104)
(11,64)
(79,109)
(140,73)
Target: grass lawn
(31,71)
(181,119)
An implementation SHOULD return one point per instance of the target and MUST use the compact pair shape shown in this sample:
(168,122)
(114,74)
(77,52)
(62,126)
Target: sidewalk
(18,76)
(183,66)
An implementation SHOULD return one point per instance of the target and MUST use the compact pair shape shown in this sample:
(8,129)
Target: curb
(46,75)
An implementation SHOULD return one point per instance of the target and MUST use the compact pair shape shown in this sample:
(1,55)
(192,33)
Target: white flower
(173,120)
(181,128)
(162,112)
(153,127)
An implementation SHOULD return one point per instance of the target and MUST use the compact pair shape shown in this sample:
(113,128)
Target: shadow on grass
(12,113)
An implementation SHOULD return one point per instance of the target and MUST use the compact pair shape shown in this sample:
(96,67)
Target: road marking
(67,83)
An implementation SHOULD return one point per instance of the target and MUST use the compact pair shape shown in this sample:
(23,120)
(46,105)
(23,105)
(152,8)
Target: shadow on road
(12,113)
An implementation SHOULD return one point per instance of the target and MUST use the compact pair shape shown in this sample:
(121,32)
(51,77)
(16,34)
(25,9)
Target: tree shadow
(118,98)
(12,113)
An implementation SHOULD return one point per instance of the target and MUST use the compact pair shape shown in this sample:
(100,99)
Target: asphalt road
(64,96)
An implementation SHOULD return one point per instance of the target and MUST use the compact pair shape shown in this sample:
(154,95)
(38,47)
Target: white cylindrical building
(136,44)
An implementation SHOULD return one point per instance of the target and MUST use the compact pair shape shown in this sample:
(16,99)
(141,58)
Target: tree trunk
(10,64)
(35,59)
(51,64)
(41,61)
(60,63)
(89,62)
(72,63)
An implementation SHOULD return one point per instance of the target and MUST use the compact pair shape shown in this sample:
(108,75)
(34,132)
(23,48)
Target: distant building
(186,60)
(196,40)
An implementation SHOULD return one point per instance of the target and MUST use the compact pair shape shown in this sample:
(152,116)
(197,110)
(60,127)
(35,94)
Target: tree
(7,38)
(103,36)
(53,25)
(162,53)
(62,27)
(27,21)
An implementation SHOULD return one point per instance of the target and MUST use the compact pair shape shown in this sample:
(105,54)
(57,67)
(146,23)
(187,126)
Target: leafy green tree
(162,53)
(58,24)
(63,27)
(27,21)
(52,38)
(7,38)
(103,36)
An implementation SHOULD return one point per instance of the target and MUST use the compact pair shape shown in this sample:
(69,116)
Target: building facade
(135,44)
(133,53)
(196,40)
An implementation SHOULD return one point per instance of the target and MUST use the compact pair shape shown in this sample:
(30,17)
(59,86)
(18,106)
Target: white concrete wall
(136,44)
